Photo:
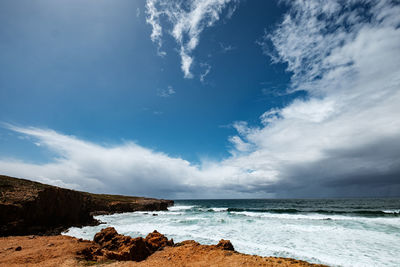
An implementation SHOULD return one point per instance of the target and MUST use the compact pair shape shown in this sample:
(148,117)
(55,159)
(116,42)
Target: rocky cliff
(28,207)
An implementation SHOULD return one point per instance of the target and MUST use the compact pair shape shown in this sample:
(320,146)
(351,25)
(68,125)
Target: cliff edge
(28,207)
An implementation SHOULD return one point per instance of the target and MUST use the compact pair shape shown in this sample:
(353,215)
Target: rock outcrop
(101,204)
(225,245)
(113,246)
(50,251)
(28,207)
(109,245)
(156,241)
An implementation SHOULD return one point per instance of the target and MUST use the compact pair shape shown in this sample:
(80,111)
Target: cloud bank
(343,139)
(187,20)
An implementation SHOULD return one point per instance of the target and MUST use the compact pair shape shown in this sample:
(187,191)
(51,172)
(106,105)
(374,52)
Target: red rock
(120,247)
(105,237)
(111,245)
(187,242)
(156,241)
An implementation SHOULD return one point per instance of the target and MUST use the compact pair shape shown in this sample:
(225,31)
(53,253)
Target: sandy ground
(40,251)
(61,251)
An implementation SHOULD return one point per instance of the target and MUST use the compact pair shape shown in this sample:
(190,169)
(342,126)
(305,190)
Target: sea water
(336,232)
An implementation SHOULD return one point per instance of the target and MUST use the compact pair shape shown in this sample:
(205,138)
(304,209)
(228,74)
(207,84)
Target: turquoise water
(337,232)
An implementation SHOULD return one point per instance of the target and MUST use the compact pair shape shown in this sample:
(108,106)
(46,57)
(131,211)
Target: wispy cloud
(186,20)
(153,18)
(169,91)
(157,112)
(207,70)
(226,48)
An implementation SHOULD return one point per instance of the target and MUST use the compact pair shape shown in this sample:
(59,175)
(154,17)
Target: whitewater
(344,232)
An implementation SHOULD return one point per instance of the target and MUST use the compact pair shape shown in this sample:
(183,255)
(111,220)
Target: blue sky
(89,68)
(204,98)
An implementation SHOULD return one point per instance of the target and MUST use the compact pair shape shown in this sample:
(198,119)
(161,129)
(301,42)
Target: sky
(202,99)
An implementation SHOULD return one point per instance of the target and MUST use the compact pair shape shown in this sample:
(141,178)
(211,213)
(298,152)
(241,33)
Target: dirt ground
(40,251)
(61,251)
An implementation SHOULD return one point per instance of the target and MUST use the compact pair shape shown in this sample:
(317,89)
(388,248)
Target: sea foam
(347,239)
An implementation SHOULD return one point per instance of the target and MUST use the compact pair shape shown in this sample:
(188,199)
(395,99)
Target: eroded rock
(156,241)
(28,207)
(225,245)
(114,246)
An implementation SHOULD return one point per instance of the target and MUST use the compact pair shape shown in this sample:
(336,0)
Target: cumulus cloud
(347,57)
(186,21)
(126,168)
(343,139)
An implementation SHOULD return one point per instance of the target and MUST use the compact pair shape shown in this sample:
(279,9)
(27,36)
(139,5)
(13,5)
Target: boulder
(92,253)
(134,250)
(121,247)
(225,245)
(106,237)
(156,241)
(111,245)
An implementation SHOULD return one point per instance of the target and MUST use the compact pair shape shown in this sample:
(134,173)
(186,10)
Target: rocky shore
(28,207)
(112,249)
(32,216)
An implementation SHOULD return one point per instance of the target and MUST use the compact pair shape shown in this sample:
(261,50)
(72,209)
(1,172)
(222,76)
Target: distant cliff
(28,207)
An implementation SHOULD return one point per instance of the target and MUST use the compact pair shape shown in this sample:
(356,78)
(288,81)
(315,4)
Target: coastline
(33,215)
(62,250)
(28,207)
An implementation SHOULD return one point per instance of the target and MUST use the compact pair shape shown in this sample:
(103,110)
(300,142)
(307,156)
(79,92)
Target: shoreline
(61,250)
(33,216)
(28,207)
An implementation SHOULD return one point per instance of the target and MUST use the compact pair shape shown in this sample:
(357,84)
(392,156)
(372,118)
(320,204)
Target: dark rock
(92,253)
(105,236)
(18,248)
(28,207)
(225,245)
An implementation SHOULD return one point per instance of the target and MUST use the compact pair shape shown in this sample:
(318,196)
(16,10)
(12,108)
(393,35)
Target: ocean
(336,232)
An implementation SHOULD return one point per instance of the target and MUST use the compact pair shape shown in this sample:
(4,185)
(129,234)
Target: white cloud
(342,140)
(87,166)
(187,21)
(239,144)
(169,91)
(351,74)
(153,18)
